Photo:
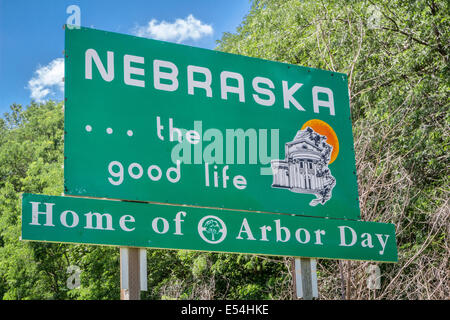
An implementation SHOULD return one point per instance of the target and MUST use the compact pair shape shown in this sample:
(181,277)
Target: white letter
(99,221)
(367,242)
(128,70)
(279,228)
(155,225)
(178,222)
(224,75)
(245,228)
(172,129)
(343,236)
(299,239)
(318,236)
(140,170)
(150,169)
(264,102)
(287,95)
(90,55)
(264,230)
(199,84)
(239,182)
(159,128)
(63,219)
(35,214)
(225,177)
(177,173)
(206,174)
(321,103)
(115,174)
(192,137)
(158,74)
(124,219)
(383,243)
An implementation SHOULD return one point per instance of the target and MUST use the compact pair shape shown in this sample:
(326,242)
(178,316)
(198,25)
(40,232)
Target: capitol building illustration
(305,168)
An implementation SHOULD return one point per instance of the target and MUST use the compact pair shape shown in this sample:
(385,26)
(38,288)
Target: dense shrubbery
(31,158)
(396,56)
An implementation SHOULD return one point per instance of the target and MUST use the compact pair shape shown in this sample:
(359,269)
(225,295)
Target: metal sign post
(133,273)
(305,277)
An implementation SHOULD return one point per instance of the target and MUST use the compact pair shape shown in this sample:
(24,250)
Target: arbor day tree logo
(212,229)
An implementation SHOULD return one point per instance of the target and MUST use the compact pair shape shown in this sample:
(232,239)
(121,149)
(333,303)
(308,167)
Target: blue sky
(32,37)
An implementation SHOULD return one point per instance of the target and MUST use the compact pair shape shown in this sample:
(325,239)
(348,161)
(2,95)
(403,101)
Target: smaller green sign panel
(123,223)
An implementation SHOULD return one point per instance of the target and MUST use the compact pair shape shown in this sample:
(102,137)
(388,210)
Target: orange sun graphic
(324,129)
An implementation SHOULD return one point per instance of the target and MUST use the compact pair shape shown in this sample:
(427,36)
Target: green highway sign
(137,224)
(160,122)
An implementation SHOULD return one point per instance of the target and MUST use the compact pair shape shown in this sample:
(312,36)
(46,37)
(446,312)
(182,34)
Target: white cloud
(47,80)
(178,31)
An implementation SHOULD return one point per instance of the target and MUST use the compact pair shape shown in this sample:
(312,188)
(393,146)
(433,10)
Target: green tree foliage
(395,54)
(31,159)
